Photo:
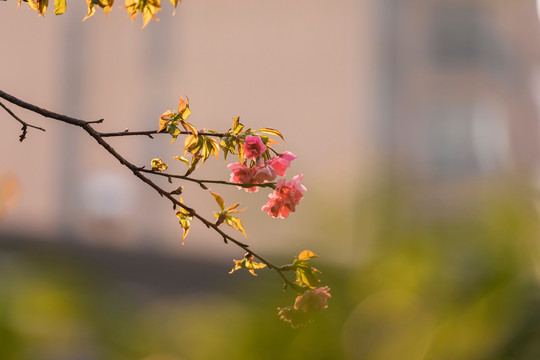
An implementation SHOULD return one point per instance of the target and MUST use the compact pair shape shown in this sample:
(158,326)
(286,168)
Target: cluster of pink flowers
(258,174)
(305,305)
(286,195)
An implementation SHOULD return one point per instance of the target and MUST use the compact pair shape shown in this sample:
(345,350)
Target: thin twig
(25,125)
(138,172)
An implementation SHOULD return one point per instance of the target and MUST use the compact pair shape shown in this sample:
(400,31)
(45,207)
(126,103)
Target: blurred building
(459,92)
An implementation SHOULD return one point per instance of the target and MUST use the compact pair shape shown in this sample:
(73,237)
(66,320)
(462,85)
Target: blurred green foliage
(457,283)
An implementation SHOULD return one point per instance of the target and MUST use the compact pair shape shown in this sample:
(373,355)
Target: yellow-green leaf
(219,200)
(106,5)
(59,7)
(164,120)
(159,165)
(148,8)
(271,132)
(305,274)
(247,263)
(231,210)
(307,254)
(39,5)
(237,126)
(235,223)
(184,219)
(213,146)
(240,149)
(175,4)
(182,159)
(189,127)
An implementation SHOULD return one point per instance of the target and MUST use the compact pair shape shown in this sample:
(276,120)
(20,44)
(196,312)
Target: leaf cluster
(233,140)
(306,275)
(225,215)
(247,263)
(148,8)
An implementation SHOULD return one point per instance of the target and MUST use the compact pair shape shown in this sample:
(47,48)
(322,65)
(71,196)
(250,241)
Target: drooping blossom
(253,147)
(313,301)
(305,305)
(285,198)
(291,315)
(281,162)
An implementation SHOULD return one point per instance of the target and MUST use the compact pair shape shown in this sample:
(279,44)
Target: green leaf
(178,191)
(59,7)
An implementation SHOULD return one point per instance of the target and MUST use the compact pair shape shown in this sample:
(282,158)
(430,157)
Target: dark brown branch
(41,111)
(202,182)
(153,132)
(86,126)
(25,125)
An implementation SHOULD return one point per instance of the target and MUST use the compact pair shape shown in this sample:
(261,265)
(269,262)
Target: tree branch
(271,185)
(138,172)
(152,132)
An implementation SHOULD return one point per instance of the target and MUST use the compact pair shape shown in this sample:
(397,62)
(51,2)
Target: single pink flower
(264,172)
(281,162)
(285,198)
(276,207)
(253,147)
(242,174)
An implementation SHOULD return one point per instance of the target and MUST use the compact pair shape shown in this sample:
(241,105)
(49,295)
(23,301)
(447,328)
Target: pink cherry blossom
(285,198)
(264,173)
(282,162)
(253,147)
(242,174)
(258,174)
(275,207)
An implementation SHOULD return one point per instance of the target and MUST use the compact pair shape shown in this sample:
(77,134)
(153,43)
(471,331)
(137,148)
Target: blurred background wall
(416,127)
(304,68)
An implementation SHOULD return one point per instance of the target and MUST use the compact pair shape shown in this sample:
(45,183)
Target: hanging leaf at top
(175,4)
(39,5)
(106,5)
(59,7)
(148,8)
